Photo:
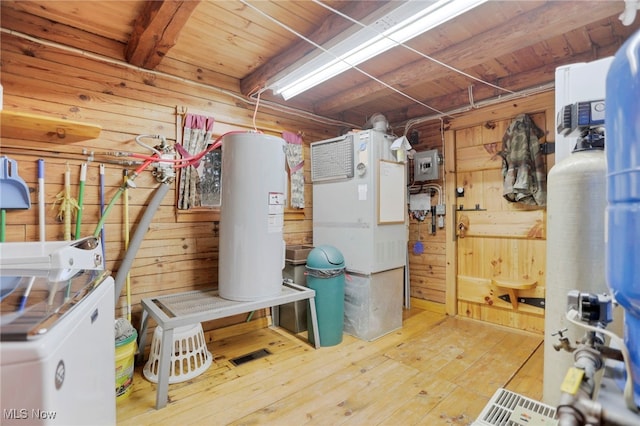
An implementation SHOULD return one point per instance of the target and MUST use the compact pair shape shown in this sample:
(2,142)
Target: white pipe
(487,102)
(438,190)
(444,171)
(629,14)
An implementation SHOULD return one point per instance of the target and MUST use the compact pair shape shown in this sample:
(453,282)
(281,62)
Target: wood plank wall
(503,241)
(178,253)
(181,253)
(427,270)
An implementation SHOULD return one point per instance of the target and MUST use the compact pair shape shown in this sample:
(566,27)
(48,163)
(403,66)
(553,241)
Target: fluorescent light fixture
(407,21)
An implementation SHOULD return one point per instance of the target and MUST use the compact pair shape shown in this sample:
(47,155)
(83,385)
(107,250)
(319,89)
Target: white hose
(149,147)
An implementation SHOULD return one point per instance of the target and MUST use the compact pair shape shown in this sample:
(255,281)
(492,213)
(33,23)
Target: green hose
(83,178)
(3,225)
(117,195)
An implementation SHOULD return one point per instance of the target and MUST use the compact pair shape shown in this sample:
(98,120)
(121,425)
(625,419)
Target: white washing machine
(57,353)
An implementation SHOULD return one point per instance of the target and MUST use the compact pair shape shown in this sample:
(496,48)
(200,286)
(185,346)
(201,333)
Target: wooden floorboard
(435,370)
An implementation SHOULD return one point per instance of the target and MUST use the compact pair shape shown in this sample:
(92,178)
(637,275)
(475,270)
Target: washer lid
(33,305)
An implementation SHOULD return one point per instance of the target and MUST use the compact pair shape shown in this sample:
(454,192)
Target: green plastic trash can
(325,275)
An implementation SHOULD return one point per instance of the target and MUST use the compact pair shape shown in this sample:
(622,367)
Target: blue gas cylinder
(622,133)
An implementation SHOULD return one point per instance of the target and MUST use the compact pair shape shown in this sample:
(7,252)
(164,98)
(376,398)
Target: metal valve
(564,341)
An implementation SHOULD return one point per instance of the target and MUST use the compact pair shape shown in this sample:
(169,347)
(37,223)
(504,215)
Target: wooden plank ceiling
(241,44)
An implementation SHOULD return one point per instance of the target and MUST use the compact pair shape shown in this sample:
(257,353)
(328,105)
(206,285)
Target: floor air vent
(249,357)
(507,408)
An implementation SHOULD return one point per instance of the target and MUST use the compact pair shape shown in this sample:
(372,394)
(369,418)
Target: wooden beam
(328,29)
(550,20)
(156,30)
(515,82)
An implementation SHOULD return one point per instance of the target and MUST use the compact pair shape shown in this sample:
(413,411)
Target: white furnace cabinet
(359,207)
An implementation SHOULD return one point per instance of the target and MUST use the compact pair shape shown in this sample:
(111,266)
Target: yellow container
(125,355)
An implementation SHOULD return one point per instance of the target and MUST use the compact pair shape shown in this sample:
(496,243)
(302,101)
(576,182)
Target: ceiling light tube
(402,24)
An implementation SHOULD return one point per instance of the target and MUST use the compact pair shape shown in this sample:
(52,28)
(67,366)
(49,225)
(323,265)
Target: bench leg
(314,321)
(163,368)
(142,336)
(275,316)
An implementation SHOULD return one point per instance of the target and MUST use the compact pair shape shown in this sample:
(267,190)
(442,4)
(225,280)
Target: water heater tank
(251,255)
(576,202)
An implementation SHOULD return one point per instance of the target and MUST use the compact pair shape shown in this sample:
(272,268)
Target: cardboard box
(297,253)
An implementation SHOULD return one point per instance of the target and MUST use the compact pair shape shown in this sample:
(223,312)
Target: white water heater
(251,254)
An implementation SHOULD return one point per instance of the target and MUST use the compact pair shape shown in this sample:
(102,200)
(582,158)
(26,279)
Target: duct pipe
(138,236)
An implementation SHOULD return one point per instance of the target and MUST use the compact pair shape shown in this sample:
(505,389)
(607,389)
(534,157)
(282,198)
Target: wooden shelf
(512,287)
(22,125)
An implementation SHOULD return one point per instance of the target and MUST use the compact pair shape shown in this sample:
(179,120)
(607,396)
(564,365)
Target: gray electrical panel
(425,166)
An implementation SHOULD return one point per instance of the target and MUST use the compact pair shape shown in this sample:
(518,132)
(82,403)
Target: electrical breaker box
(425,166)
(419,202)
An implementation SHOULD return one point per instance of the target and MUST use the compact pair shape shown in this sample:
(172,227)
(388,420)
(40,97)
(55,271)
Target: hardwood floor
(436,370)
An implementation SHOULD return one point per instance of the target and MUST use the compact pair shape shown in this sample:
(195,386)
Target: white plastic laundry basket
(189,359)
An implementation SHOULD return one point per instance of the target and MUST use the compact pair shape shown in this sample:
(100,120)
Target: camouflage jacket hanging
(523,163)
